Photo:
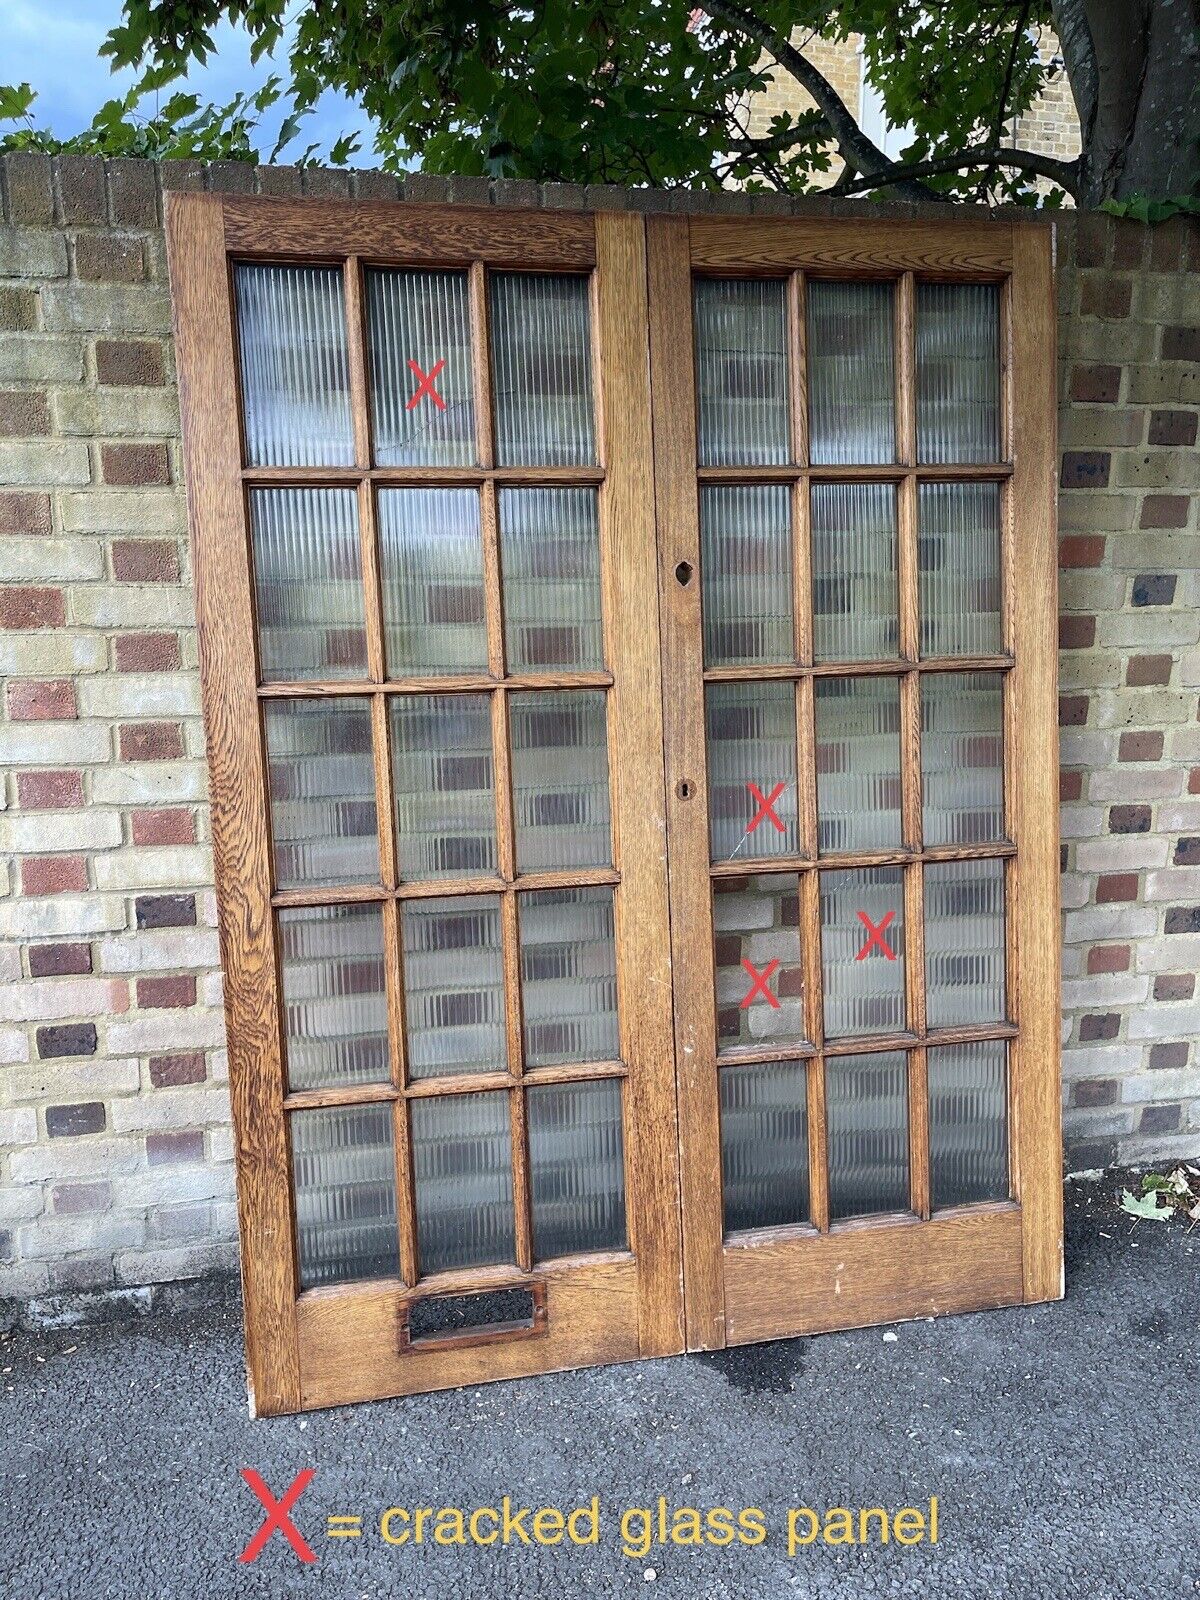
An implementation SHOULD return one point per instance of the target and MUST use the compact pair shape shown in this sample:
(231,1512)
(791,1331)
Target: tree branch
(1064,173)
(1006,86)
(1079,56)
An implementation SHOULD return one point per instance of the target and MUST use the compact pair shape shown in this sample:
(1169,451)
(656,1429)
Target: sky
(54,45)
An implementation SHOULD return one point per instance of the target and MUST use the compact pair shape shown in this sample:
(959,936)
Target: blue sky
(54,45)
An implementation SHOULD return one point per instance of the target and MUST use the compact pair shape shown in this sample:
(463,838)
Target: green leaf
(1145,1207)
(15,101)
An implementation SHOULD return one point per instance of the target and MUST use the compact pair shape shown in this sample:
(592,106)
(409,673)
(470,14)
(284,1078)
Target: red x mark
(760,984)
(277,1515)
(876,935)
(766,806)
(425,386)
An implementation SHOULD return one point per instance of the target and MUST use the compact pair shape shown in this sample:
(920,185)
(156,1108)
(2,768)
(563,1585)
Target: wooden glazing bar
(481,363)
(798,367)
(522,1197)
(424,477)
(856,669)
(459,683)
(353,1094)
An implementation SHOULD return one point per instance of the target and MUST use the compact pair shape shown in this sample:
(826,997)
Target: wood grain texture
(877,248)
(208,392)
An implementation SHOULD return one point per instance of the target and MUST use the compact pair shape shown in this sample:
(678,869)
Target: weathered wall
(115,1149)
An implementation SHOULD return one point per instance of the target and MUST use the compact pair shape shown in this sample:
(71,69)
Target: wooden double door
(628,651)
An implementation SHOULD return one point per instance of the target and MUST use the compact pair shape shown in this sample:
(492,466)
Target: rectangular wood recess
(633,770)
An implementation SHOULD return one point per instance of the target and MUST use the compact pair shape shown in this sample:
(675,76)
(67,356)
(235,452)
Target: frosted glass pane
(962,757)
(958,371)
(764,1144)
(462,1166)
(576,1167)
(454,986)
(858,763)
(968,1122)
(431,559)
(863,970)
(560,779)
(851,396)
(321,777)
(334,995)
(442,777)
(751,741)
(866,1108)
(746,574)
(550,552)
(959,532)
(964,942)
(295,377)
(855,614)
(760,978)
(422,386)
(569,976)
(308,584)
(344,1178)
(741,370)
(542,370)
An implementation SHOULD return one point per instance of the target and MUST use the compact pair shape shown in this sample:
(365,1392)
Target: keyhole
(685,788)
(683,573)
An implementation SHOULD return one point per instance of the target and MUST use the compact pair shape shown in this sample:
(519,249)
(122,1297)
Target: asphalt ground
(1062,1443)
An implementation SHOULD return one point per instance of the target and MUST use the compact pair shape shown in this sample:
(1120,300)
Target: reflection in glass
(764,1144)
(746,574)
(422,387)
(560,778)
(959,535)
(757,920)
(862,950)
(751,741)
(576,1167)
(958,372)
(962,757)
(542,370)
(442,776)
(550,550)
(858,763)
(568,976)
(854,572)
(344,1178)
(964,942)
(307,584)
(741,370)
(454,985)
(866,1109)
(431,559)
(295,377)
(968,1122)
(850,377)
(462,1170)
(334,995)
(321,777)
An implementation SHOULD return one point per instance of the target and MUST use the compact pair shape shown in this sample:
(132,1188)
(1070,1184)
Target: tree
(651,91)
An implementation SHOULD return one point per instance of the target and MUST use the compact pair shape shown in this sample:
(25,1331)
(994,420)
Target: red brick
(1072,710)
(150,741)
(147,652)
(1153,589)
(72,1122)
(32,608)
(60,1039)
(1160,1119)
(1187,852)
(1164,511)
(1181,344)
(21,512)
(166,993)
(165,911)
(108,257)
(1081,550)
(163,1149)
(145,561)
(73,1199)
(1194,781)
(1169,1055)
(54,875)
(1143,745)
(131,464)
(1070,785)
(1116,886)
(1173,427)
(41,702)
(1130,239)
(174,826)
(1105,297)
(1144,672)
(1092,233)
(1105,1026)
(134,363)
(1096,385)
(172,1072)
(1175,986)
(1167,241)
(49,791)
(1076,633)
(1096,1092)
(59,960)
(1085,469)
(1108,958)
(24,414)
(1129,819)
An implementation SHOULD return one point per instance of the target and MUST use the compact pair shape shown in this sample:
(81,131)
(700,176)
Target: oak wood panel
(208,391)
(888,1271)
(871,248)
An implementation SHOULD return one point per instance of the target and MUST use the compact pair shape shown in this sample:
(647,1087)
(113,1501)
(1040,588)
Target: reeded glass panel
(858,763)
(576,1167)
(741,370)
(344,1177)
(959,537)
(431,560)
(962,757)
(760,977)
(746,574)
(295,377)
(968,1122)
(751,769)
(321,777)
(852,405)
(560,778)
(454,985)
(862,950)
(866,1106)
(568,976)
(764,1144)
(442,776)
(542,370)
(958,372)
(462,1169)
(334,995)
(422,386)
(308,584)
(855,615)
(550,552)
(964,942)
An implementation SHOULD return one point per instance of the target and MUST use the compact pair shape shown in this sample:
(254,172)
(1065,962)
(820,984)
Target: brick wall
(115,1149)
